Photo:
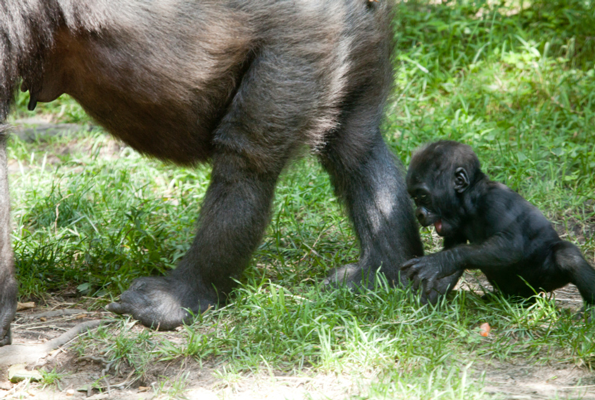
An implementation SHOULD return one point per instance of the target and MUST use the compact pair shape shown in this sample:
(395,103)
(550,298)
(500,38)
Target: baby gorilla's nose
(421,216)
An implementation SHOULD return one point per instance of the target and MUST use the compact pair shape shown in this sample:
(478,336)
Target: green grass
(51,378)
(516,81)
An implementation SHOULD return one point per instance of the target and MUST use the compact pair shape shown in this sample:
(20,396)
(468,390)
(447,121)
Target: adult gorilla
(240,83)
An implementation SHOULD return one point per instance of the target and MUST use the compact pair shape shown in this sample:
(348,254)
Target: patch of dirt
(82,376)
(92,377)
(527,381)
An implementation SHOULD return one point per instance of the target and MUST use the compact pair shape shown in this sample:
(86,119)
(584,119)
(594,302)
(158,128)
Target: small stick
(18,354)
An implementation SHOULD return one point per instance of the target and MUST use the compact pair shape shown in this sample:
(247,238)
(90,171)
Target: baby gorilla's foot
(162,302)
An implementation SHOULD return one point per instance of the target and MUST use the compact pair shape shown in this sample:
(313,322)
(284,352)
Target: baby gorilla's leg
(580,273)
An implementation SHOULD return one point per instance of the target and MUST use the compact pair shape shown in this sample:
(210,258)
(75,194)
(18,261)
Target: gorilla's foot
(352,276)
(8,308)
(162,302)
(5,336)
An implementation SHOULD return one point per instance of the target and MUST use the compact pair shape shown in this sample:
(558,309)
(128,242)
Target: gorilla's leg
(252,144)
(8,283)
(365,175)
(233,217)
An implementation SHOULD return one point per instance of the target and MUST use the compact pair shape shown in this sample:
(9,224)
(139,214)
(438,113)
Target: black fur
(242,84)
(510,241)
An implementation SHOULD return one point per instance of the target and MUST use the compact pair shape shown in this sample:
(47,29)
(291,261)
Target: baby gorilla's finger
(418,281)
(431,283)
(409,264)
(415,271)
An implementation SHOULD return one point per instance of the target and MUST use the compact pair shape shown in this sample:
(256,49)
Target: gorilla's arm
(498,251)
(444,285)
(454,241)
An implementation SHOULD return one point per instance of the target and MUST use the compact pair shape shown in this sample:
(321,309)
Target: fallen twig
(18,354)
(58,313)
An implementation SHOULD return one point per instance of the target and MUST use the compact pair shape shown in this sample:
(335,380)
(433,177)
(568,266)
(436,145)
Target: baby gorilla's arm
(500,250)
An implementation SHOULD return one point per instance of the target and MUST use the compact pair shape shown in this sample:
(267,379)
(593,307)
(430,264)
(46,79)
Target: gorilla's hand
(429,270)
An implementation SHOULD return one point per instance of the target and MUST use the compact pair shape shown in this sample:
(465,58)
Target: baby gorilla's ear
(461,180)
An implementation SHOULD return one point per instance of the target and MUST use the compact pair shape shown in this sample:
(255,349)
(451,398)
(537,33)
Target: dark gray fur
(242,84)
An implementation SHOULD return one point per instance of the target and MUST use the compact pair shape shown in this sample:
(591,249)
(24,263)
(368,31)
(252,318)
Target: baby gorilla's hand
(428,271)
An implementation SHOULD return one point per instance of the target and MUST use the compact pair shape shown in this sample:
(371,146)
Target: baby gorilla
(510,241)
